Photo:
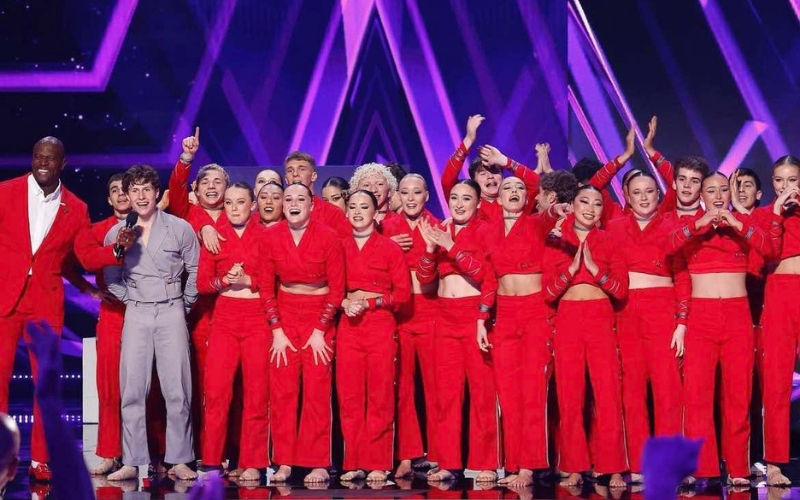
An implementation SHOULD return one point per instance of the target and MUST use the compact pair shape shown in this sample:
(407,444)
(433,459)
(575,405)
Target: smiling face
(118,200)
(588,207)
(335,196)
(643,196)
(489,181)
(211,189)
(687,185)
(264,177)
(377,185)
(748,192)
(47,163)
(270,203)
(361,211)
(513,195)
(783,177)
(300,171)
(143,197)
(297,205)
(463,203)
(238,205)
(716,192)
(413,195)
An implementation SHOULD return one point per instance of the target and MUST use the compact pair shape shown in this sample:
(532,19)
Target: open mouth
(459,211)
(142,204)
(491,184)
(43,171)
(513,198)
(588,216)
(358,218)
(294,211)
(269,210)
(411,206)
(719,204)
(212,195)
(742,198)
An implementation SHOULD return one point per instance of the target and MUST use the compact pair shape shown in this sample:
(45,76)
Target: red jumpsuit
(781,321)
(366,350)
(489,210)
(458,357)
(585,337)
(317,259)
(109,341)
(327,214)
(719,333)
(415,325)
(521,340)
(239,337)
(645,325)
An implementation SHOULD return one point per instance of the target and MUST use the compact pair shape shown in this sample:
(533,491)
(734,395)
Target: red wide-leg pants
(239,336)
(415,335)
(644,331)
(522,360)
(719,334)
(365,375)
(309,443)
(199,321)
(458,359)
(585,338)
(781,320)
(109,343)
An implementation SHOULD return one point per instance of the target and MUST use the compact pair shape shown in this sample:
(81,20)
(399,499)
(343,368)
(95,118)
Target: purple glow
(246,123)
(504,130)
(741,146)
(355,15)
(70,81)
(375,125)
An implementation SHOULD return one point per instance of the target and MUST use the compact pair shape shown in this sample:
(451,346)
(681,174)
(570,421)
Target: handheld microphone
(130,220)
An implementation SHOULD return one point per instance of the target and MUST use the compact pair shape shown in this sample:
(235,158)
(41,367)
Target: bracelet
(186,159)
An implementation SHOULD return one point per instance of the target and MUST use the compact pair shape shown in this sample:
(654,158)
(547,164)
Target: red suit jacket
(71,229)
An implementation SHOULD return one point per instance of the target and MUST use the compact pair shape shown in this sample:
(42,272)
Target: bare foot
(508,479)
(524,478)
(573,479)
(377,476)
(353,475)
(236,472)
(738,481)
(109,465)
(124,473)
(775,476)
(689,481)
(317,476)
(441,476)
(182,471)
(486,476)
(617,481)
(637,478)
(250,475)
(404,469)
(282,475)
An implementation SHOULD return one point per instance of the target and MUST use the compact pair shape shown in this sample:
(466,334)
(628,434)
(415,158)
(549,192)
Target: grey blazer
(153,273)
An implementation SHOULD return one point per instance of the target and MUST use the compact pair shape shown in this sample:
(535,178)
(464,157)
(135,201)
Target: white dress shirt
(42,212)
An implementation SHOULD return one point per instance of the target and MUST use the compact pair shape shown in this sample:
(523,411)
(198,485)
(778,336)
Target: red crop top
(789,245)
(379,266)
(247,249)
(612,276)
(399,225)
(318,258)
(467,257)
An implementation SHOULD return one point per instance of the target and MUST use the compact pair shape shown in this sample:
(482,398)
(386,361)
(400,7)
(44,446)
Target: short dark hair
(369,194)
(337,182)
(243,185)
(477,165)
(588,187)
(396,169)
(694,163)
(140,174)
(471,183)
(562,182)
(301,155)
(114,178)
(749,172)
(585,169)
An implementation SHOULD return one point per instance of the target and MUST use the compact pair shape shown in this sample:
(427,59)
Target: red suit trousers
(459,360)
(644,331)
(365,374)
(522,360)
(781,320)
(307,444)
(109,342)
(415,335)
(239,336)
(585,338)
(199,321)
(719,334)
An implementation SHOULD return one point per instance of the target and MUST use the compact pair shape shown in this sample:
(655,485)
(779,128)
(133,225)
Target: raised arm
(664,167)
(456,161)
(490,155)
(603,177)
(179,179)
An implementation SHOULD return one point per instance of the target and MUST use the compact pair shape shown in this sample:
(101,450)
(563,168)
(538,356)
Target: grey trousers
(155,330)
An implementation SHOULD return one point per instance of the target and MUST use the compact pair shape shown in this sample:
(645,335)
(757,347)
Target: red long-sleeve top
(722,249)
(390,215)
(247,249)
(772,224)
(490,210)
(324,212)
(99,231)
(645,251)
(179,205)
(399,225)
(790,242)
(612,276)
(603,177)
(318,258)
(380,267)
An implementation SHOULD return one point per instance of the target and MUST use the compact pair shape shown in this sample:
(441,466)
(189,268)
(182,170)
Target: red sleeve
(556,278)
(603,177)
(453,168)
(207,280)
(266,286)
(683,288)
(529,177)
(683,233)
(179,190)
(667,172)
(70,271)
(426,268)
(610,209)
(90,252)
(334,265)
(612,278)
(470,265)
(758,239)
(400,278)
(488,290)
(773,225)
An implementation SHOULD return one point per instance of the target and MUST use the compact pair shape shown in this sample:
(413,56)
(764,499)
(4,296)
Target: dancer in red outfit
(301,167)
(715,245)
(781,320)
(601,176)
(583,272)
(233,274)
(456,254)
(486,170)
(415,328)
(377,179)
(335,191)
(109,339)
(306,258)
(377,285)
(521,354)
(269,203)
(42,224)
(652,322)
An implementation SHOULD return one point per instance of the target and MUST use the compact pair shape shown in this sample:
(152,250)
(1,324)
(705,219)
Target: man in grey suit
(149,283)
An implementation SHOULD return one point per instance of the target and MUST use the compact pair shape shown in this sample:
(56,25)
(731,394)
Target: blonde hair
(204,170)
(368,169)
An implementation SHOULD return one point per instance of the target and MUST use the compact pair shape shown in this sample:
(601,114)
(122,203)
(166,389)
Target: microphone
(130,220)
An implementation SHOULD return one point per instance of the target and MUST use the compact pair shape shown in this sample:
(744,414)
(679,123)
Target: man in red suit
(41,222)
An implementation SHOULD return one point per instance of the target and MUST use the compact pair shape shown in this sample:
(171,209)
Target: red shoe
(40,473)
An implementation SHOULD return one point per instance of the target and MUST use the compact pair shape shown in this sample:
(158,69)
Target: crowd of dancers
(231,312)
